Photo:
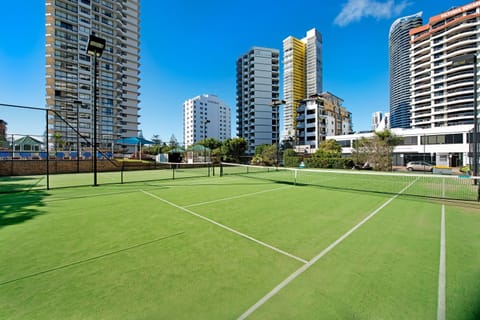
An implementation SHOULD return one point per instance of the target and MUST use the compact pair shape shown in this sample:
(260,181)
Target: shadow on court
(19,206)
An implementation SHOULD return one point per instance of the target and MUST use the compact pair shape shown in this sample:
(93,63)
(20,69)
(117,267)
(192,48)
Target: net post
(295,177)
(121,171)
(478,192)
(208,166)
(46,150)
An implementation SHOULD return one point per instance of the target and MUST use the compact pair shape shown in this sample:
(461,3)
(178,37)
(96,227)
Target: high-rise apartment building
(206,116)
(70,70)
(399,64)
(3,134)
(442,91)
(302,75)
(321,115)
(257,86)
(380,120)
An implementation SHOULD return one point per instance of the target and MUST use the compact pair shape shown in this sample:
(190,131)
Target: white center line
(226,228)
(310,263)
(235,197)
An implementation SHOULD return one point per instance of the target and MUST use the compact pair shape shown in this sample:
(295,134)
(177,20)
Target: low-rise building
(444,146)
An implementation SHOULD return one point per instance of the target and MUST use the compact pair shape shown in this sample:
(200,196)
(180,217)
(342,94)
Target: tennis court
(236,246)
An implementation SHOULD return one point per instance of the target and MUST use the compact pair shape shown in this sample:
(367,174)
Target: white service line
(310,263)
(441,305)
(225,227)
(235,197)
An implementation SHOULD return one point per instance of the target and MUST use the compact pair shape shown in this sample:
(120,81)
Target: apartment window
(409,141)
(85,11)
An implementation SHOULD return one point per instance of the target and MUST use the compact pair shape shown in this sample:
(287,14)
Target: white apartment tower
(380,121)
(204,117)
(302,75)
(257,87)
(70,70)
(442,89)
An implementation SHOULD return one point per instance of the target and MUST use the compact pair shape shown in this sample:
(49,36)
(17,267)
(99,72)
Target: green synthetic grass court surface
(213,248)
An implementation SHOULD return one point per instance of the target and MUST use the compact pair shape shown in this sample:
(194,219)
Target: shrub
(290,158)
(329,163)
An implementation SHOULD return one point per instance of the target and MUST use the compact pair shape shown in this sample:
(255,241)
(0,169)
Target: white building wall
(440,153)
(198,110)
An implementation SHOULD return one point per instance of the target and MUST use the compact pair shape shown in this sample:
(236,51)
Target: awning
(134,140)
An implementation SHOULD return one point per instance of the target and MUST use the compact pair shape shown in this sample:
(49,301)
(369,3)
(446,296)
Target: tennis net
(422,185)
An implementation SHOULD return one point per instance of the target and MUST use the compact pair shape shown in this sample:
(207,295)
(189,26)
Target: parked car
(419,166)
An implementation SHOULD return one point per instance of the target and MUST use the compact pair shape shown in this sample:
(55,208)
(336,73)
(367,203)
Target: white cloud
(355,10)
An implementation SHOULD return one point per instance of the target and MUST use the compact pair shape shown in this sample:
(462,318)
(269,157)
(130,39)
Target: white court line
(310,263)
(225,227)
(441,305)
(235,197)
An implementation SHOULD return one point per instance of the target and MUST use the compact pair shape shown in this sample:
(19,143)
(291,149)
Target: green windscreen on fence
(124,173)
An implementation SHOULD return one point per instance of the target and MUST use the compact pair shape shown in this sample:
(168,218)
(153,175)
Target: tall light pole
(462,60)
(77,104)
(276,104)
(205,122)
(95,48)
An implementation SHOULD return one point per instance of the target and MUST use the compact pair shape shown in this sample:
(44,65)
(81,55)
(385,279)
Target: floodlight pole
(205,122)
(95,48)
(277,104)
(95,121)
(77,104)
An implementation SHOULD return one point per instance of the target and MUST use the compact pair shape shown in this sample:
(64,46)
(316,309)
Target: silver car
(419,166)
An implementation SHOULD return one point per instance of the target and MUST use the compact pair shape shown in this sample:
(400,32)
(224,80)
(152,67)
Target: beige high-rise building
(70,70)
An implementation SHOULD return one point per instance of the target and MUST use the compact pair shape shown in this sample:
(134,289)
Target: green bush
(291,159)
(329,163)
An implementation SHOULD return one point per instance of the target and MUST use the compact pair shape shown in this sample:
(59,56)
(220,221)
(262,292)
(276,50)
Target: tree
(156,148)
(57,140)
(265,154)
(234,149)
(377,150)
(211,143)
(330,148)
(173,141)
(156,139)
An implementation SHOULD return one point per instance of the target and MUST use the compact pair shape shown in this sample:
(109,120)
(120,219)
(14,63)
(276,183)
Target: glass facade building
(399,65)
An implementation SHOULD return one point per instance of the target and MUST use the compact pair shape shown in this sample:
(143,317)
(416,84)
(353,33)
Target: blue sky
(190,47)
